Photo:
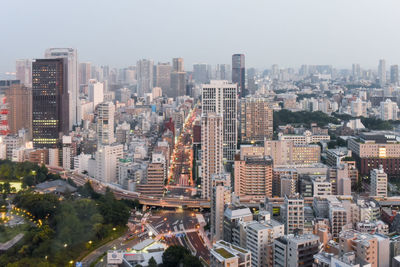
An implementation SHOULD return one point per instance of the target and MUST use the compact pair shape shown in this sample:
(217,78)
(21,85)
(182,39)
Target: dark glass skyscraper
(239,73)
(50,110)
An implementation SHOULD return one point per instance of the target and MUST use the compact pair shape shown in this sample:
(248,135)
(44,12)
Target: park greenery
(284,116)
(179,256)
(69,226)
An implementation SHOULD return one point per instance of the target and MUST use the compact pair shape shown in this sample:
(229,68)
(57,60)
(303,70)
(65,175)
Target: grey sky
(286,32)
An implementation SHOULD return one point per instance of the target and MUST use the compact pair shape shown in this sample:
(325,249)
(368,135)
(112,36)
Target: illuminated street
(180,180)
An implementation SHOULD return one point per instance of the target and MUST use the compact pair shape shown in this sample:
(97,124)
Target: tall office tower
(178,79)
(394,74)
(253,178)
(106,162)
(388,110)
(378,182)
(85,73)
(256,119)
(19,99)
(220,196)
(224,72)
(295,250)
(382,72)
(177,64)
(71,74)
(144,73)
(364,245)
(251,81)
(293,214)
(275,71)
(356,72)
(212,156)
(200,74)
(221,97)
(23,69)
(105,123)
(50,107)
(95,92)
(163,76)
(239,73)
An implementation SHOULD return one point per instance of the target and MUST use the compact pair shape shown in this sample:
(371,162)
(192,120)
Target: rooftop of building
(237,212)
(57,186)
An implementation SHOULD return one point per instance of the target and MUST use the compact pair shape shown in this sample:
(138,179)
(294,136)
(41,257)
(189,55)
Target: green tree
(174,255)
(191,261)
(152,262)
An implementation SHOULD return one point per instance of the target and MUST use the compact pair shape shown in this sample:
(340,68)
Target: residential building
(378,182)
(388,110)
(95,92)
(295,250)
(212,150)
(105,123)
(293,214)
(365,246)
(19,100)
(220,196)
(107,157)
(256,119)
(220,97)
(253,178)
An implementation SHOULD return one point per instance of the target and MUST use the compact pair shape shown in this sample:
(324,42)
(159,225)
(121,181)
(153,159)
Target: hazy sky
(286,32)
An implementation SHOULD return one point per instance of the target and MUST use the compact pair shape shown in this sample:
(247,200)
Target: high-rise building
(356,71)
(105,123)
(71,74)
(19,99)
(50,107)
(293,214)
(239,73)
(163,76)
(200,74)
(295,250)
(144,73)
(221,97)
(23,73)
(85,72)
(378,182)
(220,196)
(388,110)
(178,79)
(394,74)
(256,119)
(106,162)
(253,178)
(233,215)
(224,72)
(382,72)
(212,155)
(358,108)
(95,92)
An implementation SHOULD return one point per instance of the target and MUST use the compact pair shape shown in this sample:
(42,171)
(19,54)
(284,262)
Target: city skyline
(317,37)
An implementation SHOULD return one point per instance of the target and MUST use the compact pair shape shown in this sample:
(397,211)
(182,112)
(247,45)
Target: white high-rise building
(95,92)
(378,182)
(388,110)
(105,123)
(71,55)
(220,196)
(106,162)
(382,72)
(212,153)
(359,108)
(23,69)
(144,73)
(221,97)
